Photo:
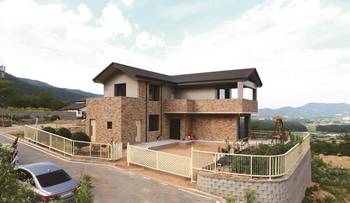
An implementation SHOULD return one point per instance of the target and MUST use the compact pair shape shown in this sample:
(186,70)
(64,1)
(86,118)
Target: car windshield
(53,178)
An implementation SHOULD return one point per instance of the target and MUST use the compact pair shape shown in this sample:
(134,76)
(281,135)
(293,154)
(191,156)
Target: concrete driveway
(112,184)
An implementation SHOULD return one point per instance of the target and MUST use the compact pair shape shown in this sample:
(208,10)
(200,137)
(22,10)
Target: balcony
(210,106)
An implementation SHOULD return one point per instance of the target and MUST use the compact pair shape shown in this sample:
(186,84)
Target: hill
(33,87)
(309,110)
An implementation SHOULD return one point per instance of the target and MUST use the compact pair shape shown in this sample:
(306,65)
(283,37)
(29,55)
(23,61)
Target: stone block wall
(288,189)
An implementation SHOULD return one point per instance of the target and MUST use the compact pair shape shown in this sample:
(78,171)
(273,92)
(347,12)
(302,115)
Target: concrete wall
(289,189)
(131,85)
(196,93)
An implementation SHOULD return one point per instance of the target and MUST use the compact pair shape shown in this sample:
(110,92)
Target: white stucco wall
(196,93)
(131,85)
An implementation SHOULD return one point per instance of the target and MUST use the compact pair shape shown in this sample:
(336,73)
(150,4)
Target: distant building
(78,107)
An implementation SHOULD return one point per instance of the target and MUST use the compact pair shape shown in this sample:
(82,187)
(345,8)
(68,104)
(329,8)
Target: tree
(12,191)
(84,194)
(50,130)
(6,90)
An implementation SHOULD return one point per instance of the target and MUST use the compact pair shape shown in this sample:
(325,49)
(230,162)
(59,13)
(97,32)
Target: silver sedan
(48,181)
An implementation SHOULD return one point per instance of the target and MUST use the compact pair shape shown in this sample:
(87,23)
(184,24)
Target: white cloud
(128,3)
(299,47)
(144,40)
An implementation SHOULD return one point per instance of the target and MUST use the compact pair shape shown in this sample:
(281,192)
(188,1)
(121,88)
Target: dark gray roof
(250,74)
(73,106)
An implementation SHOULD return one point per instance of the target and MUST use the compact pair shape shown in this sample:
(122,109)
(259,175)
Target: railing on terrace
(72,147)
(162,161)
(261,166)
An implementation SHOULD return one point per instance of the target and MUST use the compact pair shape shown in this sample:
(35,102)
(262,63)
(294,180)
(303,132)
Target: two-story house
(142,106)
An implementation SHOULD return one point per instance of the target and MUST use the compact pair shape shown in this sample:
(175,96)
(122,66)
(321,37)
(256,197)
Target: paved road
(111,184)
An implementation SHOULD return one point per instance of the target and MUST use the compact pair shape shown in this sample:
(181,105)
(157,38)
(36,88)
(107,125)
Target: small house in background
(78,107)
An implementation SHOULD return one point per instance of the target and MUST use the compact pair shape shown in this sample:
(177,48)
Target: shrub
(64,132)
(11,189)
(81,136)
(229,199)
(249,196)
(84,194)
(49,129)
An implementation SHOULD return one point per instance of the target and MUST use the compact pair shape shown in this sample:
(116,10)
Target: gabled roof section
(238,74)
(132,71)
(250,74)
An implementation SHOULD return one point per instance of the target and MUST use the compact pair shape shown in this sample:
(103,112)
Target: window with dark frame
(154,92)
(109,124)
(223,93)
(120,89)
(153,124)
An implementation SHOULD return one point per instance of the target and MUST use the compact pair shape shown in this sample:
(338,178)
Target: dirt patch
(336,161)
(185,149)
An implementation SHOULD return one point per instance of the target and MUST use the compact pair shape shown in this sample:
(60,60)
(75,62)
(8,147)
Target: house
(143,106)
(77,107)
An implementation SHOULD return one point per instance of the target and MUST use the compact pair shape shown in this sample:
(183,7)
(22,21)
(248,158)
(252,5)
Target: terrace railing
(262,166)
(110,151)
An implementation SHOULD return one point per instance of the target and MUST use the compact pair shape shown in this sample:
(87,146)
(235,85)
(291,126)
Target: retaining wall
(288,189)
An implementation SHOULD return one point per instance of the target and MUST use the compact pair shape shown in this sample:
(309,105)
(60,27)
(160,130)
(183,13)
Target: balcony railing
(210,105)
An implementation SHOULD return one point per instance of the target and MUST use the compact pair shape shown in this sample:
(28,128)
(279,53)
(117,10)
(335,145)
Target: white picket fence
(109,151)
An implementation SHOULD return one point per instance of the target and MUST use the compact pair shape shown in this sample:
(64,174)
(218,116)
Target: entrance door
(93,130)
(175,129)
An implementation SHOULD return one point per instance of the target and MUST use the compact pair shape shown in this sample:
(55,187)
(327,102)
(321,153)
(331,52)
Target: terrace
(256,158)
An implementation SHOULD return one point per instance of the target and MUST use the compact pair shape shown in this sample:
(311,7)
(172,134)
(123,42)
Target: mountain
(28,86)
(309,110)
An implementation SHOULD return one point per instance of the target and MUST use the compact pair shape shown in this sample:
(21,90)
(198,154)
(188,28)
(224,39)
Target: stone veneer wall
(289,189)
(214,127)
(104,110)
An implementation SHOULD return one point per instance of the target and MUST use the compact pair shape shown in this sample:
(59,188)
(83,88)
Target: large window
(154,92)
(153,122)
(120,89)
(223,93)
(109,124)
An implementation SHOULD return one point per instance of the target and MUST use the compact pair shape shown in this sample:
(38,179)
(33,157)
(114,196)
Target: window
(53,178)
(109,125)
(223,93)
(153,122)
(154,92)
(120,89)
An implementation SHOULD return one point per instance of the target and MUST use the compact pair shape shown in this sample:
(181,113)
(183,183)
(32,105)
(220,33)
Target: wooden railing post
(251,167)
(128,154)
(270,167)
(215,160)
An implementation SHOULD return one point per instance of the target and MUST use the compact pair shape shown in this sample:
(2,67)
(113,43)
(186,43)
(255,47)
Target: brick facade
(125,112)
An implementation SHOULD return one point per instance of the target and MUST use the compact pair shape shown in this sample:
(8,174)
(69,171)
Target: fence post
(73,148)
(215,159)
(270,167)
(251,166)
(50,141)
(191,165)
(128,154)
(157,160)
(91,148)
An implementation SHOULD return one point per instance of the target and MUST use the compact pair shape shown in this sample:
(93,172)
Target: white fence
(260,166)
(110,151)
(263,166)
(162,161)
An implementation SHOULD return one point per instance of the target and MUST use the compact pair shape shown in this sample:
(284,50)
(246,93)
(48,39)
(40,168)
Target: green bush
(333,180)
(294,126)
(49,129)
(249,196)
(11,190)
(64,132)
(229,199)
(81,136)
(84,194)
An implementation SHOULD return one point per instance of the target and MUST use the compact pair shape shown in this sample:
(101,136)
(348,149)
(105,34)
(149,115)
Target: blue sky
(301,48)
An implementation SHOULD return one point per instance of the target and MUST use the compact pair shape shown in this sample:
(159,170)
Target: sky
(301,48)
